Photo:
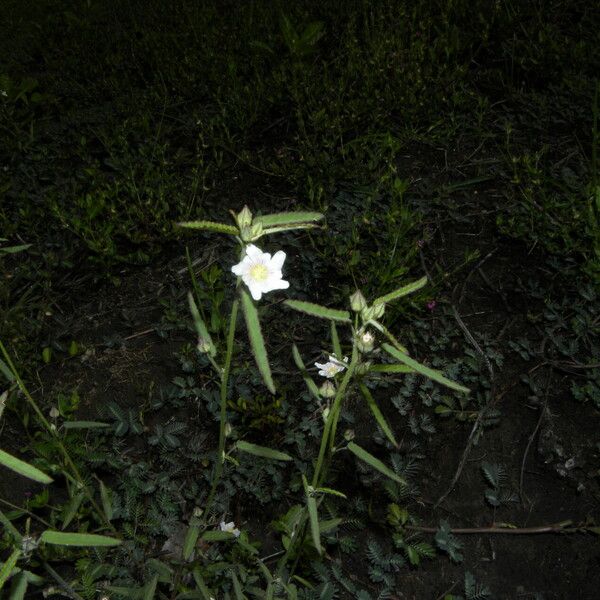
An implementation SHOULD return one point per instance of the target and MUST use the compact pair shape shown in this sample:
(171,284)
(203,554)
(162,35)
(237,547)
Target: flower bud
(203,346)
(257,231)
(244,217)
(54,412)
(357,301)
(197,512)
(365,341)
(246,233)
(327,390)
(325,413)
(349,435)
(228,429)
(378,310)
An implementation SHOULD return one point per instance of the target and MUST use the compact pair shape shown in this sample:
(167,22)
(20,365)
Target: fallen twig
(562,527)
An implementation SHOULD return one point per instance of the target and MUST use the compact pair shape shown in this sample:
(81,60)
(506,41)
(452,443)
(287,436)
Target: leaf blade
(210,226)
(402,291)
(61,538)
(423,370)
(257,341)
(288,218)
(316,310)
(22,468)
(375,463)
(262,451)
(378,414)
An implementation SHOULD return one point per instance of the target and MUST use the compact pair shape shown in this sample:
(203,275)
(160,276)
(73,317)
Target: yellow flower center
(259,272)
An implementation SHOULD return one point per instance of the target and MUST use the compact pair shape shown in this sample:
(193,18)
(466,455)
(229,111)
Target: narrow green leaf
(10,528)
(237,588)
(378,414)
(217,536)
(316,310)
(271,230)
(390,369)
(23,468)
(8,374)
(423,370)
(85,425)
(106,497)
(150,589)
(71,508)
(308,380)
(329,524)
(262,451)
(326,490)
(191,537)
(374,462)
(403,291)
(288,218)
(256,340)
(210,226)
(335,340)
(60,538)
(19,587)
(201,328)
(199,580)
(8,566)
(313,517)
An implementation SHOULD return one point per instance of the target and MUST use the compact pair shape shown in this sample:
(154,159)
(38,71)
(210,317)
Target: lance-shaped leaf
(191,537)
(218,536)
(374,462)
(378,414)
(60,538)
(313,517)
(288,218)
(262,451)
(403,291)
(270,230)
(423,370)
(316,310)
(390,369)
(85,425)
(201,326)
(308,380)
(210,226)
(22,468)
(257,341)
(8,566)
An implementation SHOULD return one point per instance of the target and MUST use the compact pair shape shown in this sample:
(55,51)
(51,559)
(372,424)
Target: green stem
(40,415)
(223,412)
(329,431)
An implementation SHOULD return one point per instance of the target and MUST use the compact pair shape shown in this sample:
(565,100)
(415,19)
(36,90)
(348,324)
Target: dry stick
(530,440)
(483,411)
(561,527)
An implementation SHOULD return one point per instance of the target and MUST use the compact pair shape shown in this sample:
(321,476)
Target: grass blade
(257,341)
(210,226)
(308,380)
(262,451)
(60,538)
(106,497)
(150,589)
(288,218)
(403,291)
(71,509)
(423,370)
(199,581)
(23,468)
(316,310)
(378,414)
(19,587)
(374,462)
(85,425)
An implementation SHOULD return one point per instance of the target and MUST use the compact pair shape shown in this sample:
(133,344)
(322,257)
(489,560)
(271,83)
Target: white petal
(238,269)
(277,284)
(255,290)
(320,366)
(277,260)
(253,252)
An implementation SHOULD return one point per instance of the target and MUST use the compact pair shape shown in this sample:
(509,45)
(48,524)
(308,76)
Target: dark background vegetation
(452,136)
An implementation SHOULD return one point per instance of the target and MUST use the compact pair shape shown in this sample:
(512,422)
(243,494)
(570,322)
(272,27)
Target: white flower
(229,528)
(260,271)
(332,367)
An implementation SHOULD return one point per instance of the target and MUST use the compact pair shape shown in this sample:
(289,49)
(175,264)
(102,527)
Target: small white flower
(332,367)
(260,271)
(229,528)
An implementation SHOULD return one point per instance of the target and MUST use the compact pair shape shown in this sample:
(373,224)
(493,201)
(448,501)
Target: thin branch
(562,527)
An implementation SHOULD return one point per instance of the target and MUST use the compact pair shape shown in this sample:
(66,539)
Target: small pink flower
(431,304)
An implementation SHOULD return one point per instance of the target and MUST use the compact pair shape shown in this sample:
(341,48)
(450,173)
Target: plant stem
(563,526)
(223,412)
(328,437)
(68,460)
